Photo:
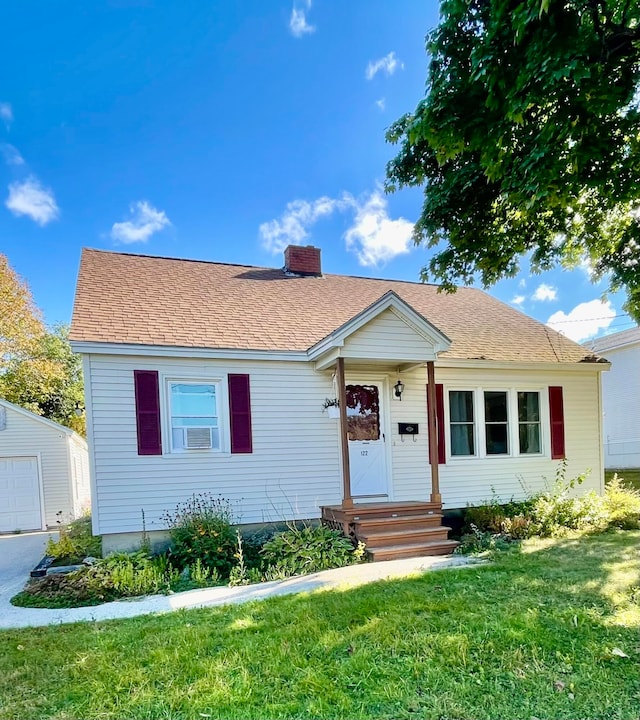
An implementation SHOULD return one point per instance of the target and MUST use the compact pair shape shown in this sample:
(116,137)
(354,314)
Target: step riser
(370,526)
(381,555)
(376,541)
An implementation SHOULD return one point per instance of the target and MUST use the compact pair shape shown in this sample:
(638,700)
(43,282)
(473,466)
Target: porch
(393,530)
(392,338)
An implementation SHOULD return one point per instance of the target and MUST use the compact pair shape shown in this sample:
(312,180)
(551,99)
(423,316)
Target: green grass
(538,633)
(631,477)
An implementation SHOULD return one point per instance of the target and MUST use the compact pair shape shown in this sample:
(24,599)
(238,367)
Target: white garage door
(19,494)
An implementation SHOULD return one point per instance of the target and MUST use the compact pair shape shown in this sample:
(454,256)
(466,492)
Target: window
(496,419)
(529,423)
(194,416)
(461,422)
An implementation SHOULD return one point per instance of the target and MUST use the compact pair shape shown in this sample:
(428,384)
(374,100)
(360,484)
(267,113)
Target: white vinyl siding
(621,406)
(295,464)
(27,435)
(293,469)
(387,337)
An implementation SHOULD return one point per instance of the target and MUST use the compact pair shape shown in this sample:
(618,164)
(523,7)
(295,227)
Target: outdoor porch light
(398,389)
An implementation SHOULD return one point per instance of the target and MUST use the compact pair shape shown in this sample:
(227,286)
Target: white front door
(367,455)
(19,494)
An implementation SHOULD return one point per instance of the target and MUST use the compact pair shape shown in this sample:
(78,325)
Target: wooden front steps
(393,530)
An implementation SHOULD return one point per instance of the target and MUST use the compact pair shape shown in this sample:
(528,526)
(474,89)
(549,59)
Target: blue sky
(223,131)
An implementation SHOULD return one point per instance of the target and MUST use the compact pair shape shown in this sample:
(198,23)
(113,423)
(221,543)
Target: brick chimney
(301,260)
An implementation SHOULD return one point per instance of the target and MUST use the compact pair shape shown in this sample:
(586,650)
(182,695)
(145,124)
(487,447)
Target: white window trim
(479,434)
(510,431)
(447,422)
(222,408)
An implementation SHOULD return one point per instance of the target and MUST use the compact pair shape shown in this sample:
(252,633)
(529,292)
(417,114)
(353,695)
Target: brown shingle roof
(144,300)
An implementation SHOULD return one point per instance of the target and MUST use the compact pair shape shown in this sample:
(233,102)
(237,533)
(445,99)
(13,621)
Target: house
(44,471)
(204,376)
(621,398)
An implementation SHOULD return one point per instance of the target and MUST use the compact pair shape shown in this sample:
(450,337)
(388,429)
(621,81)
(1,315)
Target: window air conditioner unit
(197,438)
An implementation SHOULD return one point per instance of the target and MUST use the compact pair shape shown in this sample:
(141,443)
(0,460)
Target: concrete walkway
(340,578)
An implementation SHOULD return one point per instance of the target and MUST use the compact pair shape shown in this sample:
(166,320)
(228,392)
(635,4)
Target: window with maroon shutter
(439,424)
(556,413)
(240,414)
(147,394)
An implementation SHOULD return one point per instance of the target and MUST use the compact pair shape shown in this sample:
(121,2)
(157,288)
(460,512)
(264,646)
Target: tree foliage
(527,142)
(38,370)
(20,322)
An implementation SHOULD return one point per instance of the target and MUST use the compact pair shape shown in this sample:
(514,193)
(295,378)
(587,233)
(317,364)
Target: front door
(367,457)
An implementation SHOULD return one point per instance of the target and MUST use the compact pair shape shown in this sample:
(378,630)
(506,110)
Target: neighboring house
(204,376)
(44,471)
(621,398)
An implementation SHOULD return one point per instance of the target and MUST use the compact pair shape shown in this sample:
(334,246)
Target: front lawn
(551,629)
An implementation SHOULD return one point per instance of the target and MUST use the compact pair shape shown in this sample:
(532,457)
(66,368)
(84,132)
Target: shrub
(308,549)
(132,574)
(201,528)
(76,542)
(622,504)
(479,541)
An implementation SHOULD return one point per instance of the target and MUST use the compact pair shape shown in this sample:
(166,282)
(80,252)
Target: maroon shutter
(439,424)
(556,413)
(148,412)
(240,414)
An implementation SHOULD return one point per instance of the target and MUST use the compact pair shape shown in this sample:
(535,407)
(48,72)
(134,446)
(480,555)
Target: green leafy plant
(622,504)
(477,542)
(75,542)
(201,528)
(308,549)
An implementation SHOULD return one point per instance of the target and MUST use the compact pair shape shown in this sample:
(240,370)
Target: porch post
(347,500)
(433,433)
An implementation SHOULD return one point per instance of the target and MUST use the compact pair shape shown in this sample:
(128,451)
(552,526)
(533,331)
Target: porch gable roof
(430,340)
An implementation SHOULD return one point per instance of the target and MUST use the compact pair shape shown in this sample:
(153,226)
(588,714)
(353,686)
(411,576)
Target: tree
(527,142)
(20,322)
(49,381)
(38,370)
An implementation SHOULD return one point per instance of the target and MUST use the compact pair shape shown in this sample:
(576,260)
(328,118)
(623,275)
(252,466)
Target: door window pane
(363,412)
(461,422)
(529,423)
(496,419)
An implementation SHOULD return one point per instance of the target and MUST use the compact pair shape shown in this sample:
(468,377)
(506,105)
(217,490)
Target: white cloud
(518,300)
(374,236)
(522,283)
(30,198)
(387,64)
(6,112)
(293,226)
(584,321)
(145,220)
(11,154)
(381,104)
(545,292)
(298,24)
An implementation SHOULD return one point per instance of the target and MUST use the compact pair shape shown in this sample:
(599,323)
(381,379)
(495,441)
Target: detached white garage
(44,470)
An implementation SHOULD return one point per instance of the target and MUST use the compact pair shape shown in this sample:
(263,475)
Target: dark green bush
(478,541)
(308,549)
(201,528)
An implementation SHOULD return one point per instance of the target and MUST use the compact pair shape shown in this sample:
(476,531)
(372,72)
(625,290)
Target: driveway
(18,556)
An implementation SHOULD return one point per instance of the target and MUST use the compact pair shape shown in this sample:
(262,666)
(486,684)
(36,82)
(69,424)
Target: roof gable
(388,316)
(32,416)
